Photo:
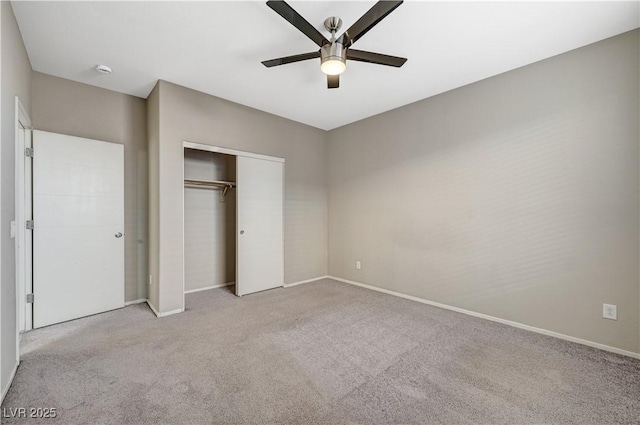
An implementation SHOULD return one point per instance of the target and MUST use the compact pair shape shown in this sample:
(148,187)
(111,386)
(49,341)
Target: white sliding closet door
(260,245)
(78,241)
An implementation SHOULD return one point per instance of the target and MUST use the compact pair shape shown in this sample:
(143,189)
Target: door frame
(226,151)
(23,189)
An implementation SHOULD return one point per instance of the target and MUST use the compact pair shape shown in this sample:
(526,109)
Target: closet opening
(209,220)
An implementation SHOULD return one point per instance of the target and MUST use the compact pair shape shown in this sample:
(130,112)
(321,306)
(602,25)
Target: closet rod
(223,184)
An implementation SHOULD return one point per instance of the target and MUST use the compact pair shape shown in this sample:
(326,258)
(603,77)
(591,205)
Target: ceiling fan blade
(294,18)
(376,14)
(291,59)
(378,58)
(333,81)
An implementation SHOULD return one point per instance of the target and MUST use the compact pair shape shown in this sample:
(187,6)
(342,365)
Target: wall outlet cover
(610,311)
(358,265)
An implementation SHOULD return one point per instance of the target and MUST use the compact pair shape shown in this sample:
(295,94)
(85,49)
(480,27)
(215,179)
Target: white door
(78,241)
(260,246)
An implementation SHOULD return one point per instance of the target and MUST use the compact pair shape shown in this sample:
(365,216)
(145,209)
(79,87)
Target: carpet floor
(319,353)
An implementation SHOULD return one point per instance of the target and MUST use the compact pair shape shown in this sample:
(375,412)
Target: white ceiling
(216,48)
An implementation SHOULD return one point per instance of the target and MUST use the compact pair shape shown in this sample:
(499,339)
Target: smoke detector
(103,69)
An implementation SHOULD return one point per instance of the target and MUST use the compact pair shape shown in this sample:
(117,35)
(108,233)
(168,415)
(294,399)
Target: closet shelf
(212,184)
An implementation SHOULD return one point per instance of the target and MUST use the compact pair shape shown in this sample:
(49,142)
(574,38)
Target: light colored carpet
(319,353)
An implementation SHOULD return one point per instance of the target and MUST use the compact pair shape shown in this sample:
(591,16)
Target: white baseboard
(206,288)
(140,301)
(171,313)
(5,390)
(495,319)
(288,285)
(165,314)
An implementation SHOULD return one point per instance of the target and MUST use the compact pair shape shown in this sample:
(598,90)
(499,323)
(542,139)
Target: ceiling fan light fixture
(333,67)
(333,58)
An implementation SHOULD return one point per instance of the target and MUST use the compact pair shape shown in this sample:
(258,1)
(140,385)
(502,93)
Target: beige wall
(188,115)
(516,197)
(68,107)
(16,81)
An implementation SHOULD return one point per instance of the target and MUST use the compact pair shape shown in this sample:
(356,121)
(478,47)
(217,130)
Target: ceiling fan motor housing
(332,55)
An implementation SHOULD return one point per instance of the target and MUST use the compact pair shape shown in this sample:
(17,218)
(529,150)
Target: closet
(209,220)
(233,220)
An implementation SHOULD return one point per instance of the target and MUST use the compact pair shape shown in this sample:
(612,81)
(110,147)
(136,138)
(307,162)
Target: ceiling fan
(334,53)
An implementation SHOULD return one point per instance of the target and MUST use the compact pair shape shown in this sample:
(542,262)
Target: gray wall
(16,81)
(209,224)
(188,115)
(68,107)
(516,197)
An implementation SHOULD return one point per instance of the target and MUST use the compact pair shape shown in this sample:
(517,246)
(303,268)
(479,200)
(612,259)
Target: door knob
(118,235)
(242,232)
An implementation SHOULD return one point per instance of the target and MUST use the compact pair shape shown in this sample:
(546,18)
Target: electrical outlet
(358,265)
(150,280)
(610,311)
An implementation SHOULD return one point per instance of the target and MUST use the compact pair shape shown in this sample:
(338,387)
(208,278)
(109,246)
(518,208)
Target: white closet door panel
(260,245)
(78,205)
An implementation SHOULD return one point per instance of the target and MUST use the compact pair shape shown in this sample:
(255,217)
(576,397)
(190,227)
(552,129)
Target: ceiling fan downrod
(333,24)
